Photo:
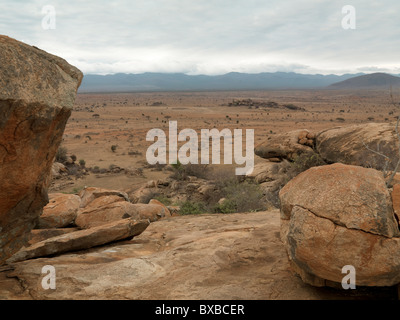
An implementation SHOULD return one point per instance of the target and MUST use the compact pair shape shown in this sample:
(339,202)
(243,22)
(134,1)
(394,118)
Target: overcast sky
(211,36)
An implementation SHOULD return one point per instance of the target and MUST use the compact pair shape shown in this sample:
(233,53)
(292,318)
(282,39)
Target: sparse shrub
(182,172)
(82,163)
(227,206)
(135,153)
(304,162)
(191,207)
(239,196)
(61,155)
(155,167)
(113,148)
(163,199)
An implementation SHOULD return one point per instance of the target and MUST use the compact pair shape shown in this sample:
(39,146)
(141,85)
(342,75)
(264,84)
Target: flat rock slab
(212,256)
(83,239)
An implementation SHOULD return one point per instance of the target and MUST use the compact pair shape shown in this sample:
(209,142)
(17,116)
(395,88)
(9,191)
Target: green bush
(304,162)
(191,207)
(227,206)
(164,200)
(241,197)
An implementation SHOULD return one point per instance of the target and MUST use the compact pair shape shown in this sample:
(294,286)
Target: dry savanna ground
(109,130)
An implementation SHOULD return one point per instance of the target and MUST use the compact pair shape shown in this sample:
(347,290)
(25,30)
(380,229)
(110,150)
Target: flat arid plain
(101,121)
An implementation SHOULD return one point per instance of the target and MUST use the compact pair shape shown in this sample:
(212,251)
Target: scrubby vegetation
(182,172)
(61,155)
(226,193)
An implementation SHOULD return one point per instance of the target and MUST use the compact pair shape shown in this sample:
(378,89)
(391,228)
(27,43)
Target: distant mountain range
(368,81)
(122,82)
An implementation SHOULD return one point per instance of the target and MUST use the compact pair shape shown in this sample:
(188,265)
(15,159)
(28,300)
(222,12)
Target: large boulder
(286,145)
(349,145)
(60,212)
(338,215)
(37,93)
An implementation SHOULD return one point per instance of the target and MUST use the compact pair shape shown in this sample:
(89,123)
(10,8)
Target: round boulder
(338,215)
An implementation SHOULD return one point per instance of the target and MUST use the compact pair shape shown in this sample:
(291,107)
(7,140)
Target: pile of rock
(306,138)
(192,189)
(93,217)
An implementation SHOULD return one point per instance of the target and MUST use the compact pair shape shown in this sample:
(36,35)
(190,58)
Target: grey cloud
(214,36)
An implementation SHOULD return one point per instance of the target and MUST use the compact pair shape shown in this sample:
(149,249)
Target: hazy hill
(368,81)
(122,82)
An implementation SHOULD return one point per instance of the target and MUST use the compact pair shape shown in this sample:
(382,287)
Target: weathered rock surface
(218,256)
(319,249)
(99,206)
(38,235)
(37,93)
(91,193)
(265,171)
(57,170)
(346,144)
(92,216)
(396,200)
(287,145)
(340,215)
(83,239)
(60,212)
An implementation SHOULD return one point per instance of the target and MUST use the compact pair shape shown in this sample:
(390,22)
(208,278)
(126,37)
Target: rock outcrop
(211,256)
(99,206)
(103,214)
(37,93)
(287,145)
(60,212)
(349,145)
(83,239)
(358,145)
(338,215)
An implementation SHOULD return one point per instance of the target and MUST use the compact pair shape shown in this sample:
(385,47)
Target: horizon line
(237,72)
